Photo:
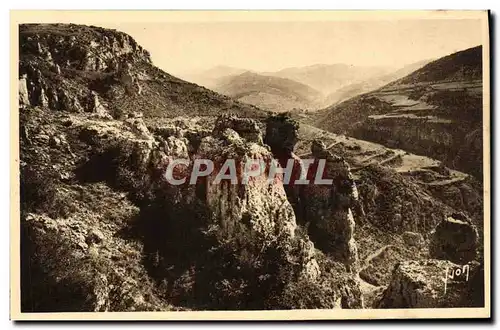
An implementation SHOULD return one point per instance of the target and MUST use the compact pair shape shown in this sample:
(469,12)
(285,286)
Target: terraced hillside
(436,111)
(400,193)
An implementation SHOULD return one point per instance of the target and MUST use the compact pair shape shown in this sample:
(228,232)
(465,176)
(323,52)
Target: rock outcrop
(454,239)
(430,284)
(326,210)
(105,230)
(79,263)
(96,107)
(64,65)
(23,91)
(395,204)
(281,134)
(259,208)
(95,48)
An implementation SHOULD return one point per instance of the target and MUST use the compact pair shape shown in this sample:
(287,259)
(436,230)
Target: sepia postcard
(250,165)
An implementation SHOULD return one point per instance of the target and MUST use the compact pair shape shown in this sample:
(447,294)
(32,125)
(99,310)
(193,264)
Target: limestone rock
(281,134)
(95,236)
(68,102)
(138,127)
(53,99)
(96,107)
(421,284)
(258,208)
(23,91)
(328,208)
(454,239)
(36,87)
(245,127)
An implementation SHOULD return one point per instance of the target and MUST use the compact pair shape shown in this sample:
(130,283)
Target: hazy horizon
(183,48)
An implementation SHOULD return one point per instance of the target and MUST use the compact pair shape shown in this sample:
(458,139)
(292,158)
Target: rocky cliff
(403,199)
(90,69)
(327,211)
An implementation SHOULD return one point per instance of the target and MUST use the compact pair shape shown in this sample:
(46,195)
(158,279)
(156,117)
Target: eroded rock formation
(326,210)
(429,284)
(329,207)
(212,245)
(454,239)
(103,230)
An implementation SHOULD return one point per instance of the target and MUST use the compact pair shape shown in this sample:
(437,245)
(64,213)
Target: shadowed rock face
(454,239)
(328,208)
(324,209)
(256,212)
(281,134)
(421,284)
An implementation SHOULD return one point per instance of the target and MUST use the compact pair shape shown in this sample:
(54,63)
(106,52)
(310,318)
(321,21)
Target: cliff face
(458,146)
(80,47)
(327,211)
(403,198)
(90,69)
(435,111)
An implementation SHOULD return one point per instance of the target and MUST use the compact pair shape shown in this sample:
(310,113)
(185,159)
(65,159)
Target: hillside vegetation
(435,111)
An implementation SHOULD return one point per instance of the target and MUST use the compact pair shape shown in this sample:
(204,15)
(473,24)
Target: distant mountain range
(371,84)
(211,77)
(329,78)
(304,88)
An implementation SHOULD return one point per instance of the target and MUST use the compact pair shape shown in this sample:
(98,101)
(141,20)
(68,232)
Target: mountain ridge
(451,105)
(89,74)
(268,92)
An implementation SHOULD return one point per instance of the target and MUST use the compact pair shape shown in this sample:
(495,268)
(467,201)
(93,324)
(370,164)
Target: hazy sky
(269,46)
